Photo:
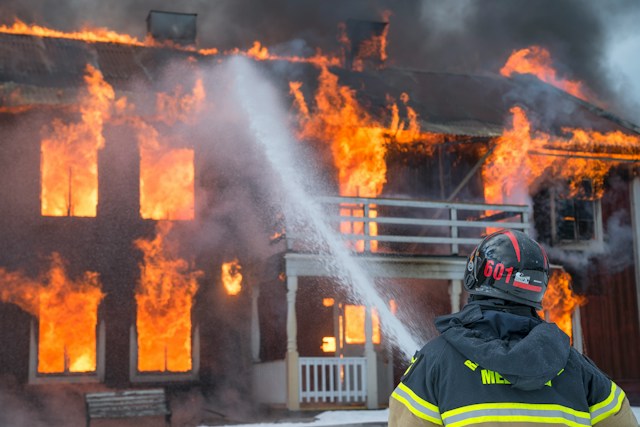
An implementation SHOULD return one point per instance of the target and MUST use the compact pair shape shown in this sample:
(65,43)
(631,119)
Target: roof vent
(179,28)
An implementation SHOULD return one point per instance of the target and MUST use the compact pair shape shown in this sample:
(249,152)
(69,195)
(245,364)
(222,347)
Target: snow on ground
(336,418)
(331,418)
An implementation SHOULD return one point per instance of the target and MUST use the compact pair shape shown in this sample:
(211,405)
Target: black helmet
(508,265)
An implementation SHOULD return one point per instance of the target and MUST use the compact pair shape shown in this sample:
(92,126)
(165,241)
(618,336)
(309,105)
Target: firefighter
(497,363)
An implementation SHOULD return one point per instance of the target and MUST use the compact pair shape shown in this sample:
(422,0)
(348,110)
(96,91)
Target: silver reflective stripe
(597,415)
(533,415)
(415,404)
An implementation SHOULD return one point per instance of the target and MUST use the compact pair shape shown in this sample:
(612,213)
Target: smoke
(589,41)
(621,60)
(615,252)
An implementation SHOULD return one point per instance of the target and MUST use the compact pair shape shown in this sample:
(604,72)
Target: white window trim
(594,245)
(89,377)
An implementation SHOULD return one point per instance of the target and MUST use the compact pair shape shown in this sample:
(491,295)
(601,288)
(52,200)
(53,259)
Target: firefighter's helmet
(508,265)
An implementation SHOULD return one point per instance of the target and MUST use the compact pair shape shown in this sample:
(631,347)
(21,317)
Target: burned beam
(609,157)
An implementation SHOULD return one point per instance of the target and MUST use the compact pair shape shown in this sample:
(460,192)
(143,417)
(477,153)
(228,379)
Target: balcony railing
(412,226)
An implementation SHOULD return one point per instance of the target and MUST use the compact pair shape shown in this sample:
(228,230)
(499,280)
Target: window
(576,219)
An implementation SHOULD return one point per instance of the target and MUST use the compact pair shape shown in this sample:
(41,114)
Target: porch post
(372,365)
(455,291)
(255,323)
(293,392)
(635,222)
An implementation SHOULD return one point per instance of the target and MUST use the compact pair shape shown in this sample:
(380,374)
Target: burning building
(131,258)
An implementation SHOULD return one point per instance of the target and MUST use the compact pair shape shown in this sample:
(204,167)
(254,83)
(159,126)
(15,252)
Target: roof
(46,70)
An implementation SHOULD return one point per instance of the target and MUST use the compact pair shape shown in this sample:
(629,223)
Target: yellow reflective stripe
(418,399)
(413,360)
(515,419)
(509,405)
(609,406)
(416,405)
(515,412)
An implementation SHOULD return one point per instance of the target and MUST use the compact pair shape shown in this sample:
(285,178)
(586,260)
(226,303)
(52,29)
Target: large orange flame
(67,312)
(358,140)
(536,60)
(231,277)
(164,298)
(560,302)
(522,156)
(69,162)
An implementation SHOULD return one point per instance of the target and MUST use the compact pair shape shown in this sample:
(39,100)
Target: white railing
(406,226)
(332,379)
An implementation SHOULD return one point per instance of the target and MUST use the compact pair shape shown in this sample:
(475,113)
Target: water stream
(268,125)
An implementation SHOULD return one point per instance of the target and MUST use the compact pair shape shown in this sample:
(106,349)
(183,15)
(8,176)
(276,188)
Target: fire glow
(354,319)
(164,298)
(69,162)
(67,312)
(231,277)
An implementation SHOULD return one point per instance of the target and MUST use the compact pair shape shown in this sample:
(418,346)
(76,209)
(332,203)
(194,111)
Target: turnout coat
(496,364)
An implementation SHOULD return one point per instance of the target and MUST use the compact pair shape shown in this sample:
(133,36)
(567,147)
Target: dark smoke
(460,36)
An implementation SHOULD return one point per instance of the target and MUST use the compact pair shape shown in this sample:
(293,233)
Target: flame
(358,141)
(166,173)
(180,106)
(164,299)
(166,178)
(354,318)
(522,156)
(93,35)
(67,312)
(560,302)
(328,344)
(89,35)
(536,60)
(69,162)
(231,277)
(261,53)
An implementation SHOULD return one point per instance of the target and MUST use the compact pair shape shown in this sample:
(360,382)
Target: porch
(397,239)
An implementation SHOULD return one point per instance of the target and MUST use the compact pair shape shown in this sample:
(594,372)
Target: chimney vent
(176,27)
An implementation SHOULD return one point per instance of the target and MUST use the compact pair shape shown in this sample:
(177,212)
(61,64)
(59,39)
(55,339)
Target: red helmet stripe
(527,286)
(514,241)
(544,255)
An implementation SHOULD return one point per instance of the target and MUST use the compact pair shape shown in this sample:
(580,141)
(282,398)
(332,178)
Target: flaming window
(69,162)
(166,183)
(164,341)
(354,317)
(64,337)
